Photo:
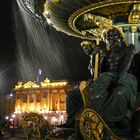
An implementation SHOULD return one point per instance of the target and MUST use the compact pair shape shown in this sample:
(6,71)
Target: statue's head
(121,54)
(114,38)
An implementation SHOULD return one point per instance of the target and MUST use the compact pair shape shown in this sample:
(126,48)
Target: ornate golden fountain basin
(88,19)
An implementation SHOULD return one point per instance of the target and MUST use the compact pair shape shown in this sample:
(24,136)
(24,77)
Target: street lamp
(13,129)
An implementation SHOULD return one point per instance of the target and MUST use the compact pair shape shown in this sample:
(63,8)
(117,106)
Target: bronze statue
(114,93)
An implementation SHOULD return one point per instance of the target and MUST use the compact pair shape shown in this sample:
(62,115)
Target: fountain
(88,19)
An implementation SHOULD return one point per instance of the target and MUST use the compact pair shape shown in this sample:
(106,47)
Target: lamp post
(13,128)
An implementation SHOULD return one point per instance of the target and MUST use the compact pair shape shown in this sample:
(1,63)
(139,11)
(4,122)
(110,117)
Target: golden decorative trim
(47,10)
(92,126)
(127,24)
(85,43)
(73,18)
(134,16)
(82,88)
(30,84)
(102,23)
(46,83)
(19,85)
(96,67)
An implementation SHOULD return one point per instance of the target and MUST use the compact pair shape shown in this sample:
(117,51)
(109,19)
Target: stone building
(46,98)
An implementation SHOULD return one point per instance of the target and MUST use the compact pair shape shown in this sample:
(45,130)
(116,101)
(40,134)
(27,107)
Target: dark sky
(7,45)
(7,40)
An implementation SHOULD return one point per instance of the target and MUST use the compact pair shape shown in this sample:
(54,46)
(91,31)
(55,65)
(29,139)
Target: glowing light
(54,120)
(47,83)
(13,116)
(11,94)
(19,85)
(30,84)
(11,120)
(61,119)
(45,117)
(6,117)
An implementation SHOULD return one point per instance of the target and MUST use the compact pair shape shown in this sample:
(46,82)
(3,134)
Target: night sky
(7,43)
(7,39)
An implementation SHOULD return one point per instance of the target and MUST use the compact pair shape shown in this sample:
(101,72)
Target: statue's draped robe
(114,106)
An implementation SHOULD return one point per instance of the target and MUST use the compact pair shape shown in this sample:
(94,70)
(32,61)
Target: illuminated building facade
(47,98)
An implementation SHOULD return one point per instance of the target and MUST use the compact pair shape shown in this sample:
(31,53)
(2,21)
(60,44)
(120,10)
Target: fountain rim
(78,13)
